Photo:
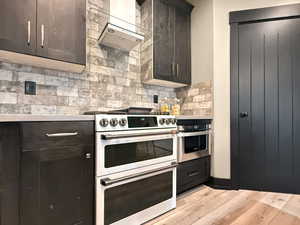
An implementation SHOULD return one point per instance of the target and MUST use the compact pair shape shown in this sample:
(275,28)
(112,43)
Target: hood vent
(121,31)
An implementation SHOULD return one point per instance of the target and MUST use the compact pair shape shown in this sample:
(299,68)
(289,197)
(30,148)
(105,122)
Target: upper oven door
(121,151)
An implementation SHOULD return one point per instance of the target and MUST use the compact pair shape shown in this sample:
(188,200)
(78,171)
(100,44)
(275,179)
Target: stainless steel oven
(121,151)
(136,168)
(134,197)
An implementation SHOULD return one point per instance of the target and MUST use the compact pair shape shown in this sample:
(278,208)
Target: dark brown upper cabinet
(164,42)
(61,30)
(49,34)
(17,25)
(182,46)
(166,51)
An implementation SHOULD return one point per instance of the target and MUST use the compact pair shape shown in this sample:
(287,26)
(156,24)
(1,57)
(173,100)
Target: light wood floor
(206,206)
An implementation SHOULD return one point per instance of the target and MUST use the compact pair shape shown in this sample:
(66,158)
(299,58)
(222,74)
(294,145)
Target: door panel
(9,174)
(182,46)
(63,25)
(60,184)
(267,91)
(163,38)
(14,26)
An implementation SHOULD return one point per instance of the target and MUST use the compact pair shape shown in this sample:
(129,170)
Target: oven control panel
(134,122)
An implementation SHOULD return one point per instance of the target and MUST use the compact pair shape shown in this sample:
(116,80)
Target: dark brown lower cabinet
(47,173)
(57,185)
(192,173)
(9,174)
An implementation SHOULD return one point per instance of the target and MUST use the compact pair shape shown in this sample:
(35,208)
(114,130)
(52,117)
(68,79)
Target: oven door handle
(192,134)
(108,181)
(116,136)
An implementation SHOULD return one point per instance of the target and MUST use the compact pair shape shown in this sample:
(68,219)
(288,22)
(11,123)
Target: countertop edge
(194,117)
(44,118)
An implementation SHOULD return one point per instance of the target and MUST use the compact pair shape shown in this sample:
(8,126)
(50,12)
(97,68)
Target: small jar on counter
(175,107)
(164,106)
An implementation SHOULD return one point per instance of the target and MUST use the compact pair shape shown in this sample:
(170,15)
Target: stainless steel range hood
(121,31)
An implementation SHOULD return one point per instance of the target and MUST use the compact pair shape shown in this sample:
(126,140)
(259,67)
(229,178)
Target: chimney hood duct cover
(120,30)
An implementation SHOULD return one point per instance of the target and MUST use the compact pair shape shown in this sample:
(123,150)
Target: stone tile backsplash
(196,100)
(112,80)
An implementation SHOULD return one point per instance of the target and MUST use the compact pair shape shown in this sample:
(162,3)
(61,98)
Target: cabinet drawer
(193,173)
(38,136)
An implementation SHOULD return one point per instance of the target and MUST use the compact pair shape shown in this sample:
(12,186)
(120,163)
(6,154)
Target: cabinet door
(183,46)
(192,173)
(57,186)
(61,30)
(9,174)
(163,40)
(58,181)
(18,26)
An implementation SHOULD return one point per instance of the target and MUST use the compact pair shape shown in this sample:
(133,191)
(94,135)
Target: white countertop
(35,118)
(193,117)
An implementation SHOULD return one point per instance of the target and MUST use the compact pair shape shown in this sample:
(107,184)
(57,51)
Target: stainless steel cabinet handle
(173,68)
(108,181)
(28,32)
(177,69)
(62,134)
(43,35)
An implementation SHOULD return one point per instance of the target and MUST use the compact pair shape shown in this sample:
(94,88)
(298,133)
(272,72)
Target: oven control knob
(103,122)
(174,121)
(114,122)
(168,121)
(123,122)
(162,121)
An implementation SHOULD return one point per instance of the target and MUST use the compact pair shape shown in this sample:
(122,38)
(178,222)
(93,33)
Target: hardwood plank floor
(207,206)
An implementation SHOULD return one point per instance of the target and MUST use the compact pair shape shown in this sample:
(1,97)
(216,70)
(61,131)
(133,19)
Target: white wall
(202,42)
(221,9)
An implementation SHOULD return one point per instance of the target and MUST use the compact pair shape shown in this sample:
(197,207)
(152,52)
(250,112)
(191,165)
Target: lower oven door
(193,145)
(136,198)
(117,152)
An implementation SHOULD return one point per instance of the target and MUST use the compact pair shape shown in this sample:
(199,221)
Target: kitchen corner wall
(197,99)
(111,80)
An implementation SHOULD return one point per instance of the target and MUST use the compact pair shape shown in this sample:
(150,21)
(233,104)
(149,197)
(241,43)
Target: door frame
(235,19)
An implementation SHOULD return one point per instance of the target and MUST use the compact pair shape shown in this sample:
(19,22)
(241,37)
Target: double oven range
(135,168)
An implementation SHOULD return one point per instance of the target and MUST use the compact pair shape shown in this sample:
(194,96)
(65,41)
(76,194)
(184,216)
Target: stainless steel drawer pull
(62,134)
(193,174)
(28,32)
(108,181)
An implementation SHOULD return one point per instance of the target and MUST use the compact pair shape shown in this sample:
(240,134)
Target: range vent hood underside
(117,37)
